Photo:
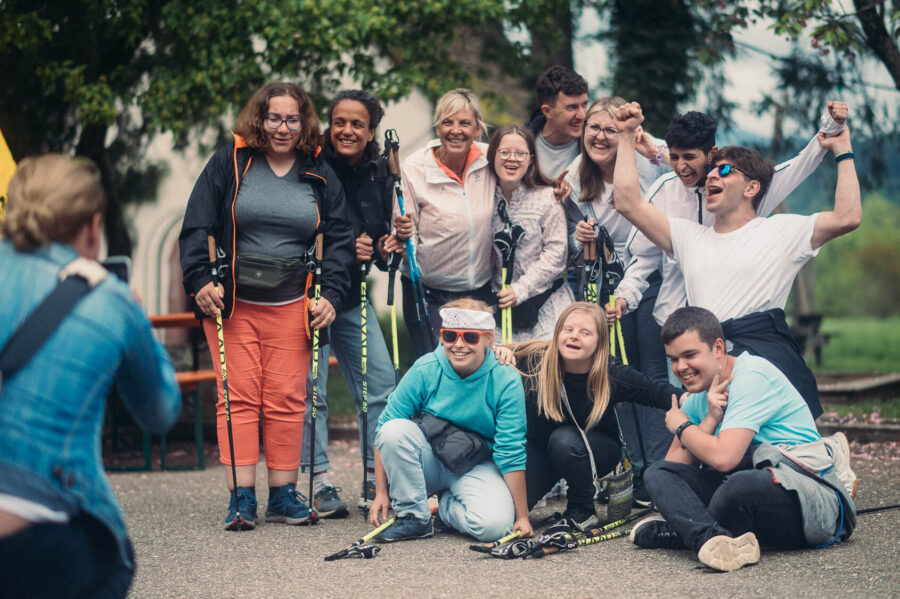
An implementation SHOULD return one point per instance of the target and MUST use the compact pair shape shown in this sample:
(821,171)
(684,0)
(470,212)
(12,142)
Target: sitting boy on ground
(747,465)
(463,383)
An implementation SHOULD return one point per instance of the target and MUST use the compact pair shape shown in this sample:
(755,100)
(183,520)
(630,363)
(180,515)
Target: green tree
(101,77)
(859,274)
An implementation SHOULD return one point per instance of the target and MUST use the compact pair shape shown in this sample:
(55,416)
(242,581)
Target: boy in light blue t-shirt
(720,491)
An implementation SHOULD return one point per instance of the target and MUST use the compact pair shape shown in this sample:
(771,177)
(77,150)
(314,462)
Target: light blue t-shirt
(760,398)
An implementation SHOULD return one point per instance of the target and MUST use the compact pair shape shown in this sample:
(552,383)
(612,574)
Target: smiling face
(350,132)
(694,361)
(601,139)
(690,165)
(724,194)
(511,170)
(282,141)
(577,341)
(464,358)
(565,116)
(457,132)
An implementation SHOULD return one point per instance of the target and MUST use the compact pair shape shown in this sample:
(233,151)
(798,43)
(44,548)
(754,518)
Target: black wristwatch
(680,430)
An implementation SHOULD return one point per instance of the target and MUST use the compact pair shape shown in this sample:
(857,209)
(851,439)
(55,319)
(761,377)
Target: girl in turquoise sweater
(462,382)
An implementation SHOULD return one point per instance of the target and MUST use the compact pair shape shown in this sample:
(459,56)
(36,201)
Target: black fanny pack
(459,449)
(257,271)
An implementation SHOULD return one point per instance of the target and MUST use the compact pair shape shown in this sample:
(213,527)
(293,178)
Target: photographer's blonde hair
(50,199)
(547,380)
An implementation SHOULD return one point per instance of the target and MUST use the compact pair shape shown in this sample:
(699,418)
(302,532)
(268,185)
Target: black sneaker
(406,528)
(641,497)
(653,532)
(582,518)
(328,503)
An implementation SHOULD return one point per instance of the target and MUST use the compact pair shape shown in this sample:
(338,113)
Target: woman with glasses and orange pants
(264,199)
(463,383)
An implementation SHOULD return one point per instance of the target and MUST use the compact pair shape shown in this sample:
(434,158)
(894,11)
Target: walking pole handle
(319,242)
(211,241)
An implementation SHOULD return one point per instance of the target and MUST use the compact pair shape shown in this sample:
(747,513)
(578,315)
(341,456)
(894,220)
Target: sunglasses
(725,169)
(469,337)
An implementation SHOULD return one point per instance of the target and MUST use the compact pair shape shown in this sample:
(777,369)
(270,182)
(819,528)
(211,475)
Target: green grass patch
(861,345)
(885,409)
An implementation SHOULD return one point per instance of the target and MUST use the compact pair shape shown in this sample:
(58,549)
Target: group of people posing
(670,240)
(577,200)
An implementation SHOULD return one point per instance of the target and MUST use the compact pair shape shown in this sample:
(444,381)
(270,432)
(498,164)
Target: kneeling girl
(463,383)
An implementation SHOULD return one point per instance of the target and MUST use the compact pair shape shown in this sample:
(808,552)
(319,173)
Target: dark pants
(78,560)
(565,456)
(643,427)
(425,338)
(701,503)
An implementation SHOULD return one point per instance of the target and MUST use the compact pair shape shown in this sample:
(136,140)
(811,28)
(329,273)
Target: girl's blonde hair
(458,99)
(590,175)
(547,379)
(51,198)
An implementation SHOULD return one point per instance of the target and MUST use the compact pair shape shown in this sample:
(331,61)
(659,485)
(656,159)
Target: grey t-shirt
(552,160)
(274,217)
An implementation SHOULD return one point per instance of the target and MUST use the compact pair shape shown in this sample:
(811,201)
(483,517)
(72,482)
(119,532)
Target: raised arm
(847,213)
(791,173)
(626,184)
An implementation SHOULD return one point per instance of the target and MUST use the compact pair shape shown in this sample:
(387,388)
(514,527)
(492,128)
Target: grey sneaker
(840,450)
(328,503)
(726,553)
(653,532)
(367,496)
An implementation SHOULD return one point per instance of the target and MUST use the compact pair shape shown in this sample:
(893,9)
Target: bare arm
(515,480)
(626,184)
(382,502)
(847,213)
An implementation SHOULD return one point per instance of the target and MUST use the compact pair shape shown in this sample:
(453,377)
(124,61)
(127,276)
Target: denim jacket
(51,411)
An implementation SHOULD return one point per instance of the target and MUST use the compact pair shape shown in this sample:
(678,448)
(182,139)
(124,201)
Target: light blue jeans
(477,503)
(345,335)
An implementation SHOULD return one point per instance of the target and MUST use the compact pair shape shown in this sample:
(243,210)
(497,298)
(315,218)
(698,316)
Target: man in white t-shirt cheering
(741,268)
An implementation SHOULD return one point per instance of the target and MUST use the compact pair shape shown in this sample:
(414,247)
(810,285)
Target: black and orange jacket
(210,210)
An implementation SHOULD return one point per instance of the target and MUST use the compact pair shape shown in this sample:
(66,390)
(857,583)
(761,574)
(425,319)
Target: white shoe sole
(727,554)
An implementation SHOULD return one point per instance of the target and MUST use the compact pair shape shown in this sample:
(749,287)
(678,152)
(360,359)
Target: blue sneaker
(247,508)
(287,505)
(405,528)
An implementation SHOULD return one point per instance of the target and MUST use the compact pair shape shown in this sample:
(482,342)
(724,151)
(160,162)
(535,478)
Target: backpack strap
(77,279)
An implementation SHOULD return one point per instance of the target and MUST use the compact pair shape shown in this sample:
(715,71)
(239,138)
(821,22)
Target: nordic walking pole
(238,521)
(317,294)
(348,551)
(486,547)
(414,272)
(364,269)
(393,262)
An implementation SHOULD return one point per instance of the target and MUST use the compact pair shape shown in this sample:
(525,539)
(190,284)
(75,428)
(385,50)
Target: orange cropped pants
(267,353)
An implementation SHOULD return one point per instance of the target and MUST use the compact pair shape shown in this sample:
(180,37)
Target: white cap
(475,320)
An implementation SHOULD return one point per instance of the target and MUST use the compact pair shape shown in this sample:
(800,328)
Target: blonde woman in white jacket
(448,194)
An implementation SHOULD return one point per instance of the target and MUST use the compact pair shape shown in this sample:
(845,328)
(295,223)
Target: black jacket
(536,121)
(369,190)
(626,384)
(210,210)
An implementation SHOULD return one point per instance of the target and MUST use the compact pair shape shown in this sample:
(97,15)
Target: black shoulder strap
(41,323)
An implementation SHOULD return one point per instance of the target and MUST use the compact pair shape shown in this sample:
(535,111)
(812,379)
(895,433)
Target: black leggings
(78,559)
(566,457)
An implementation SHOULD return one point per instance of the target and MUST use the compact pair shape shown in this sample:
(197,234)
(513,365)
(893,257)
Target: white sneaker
(726,553)
(839,449)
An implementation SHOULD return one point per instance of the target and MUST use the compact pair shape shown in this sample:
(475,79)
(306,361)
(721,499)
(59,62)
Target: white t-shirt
(552,160)
(744,271)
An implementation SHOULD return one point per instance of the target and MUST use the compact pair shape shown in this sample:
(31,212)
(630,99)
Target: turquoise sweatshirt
(490,402)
